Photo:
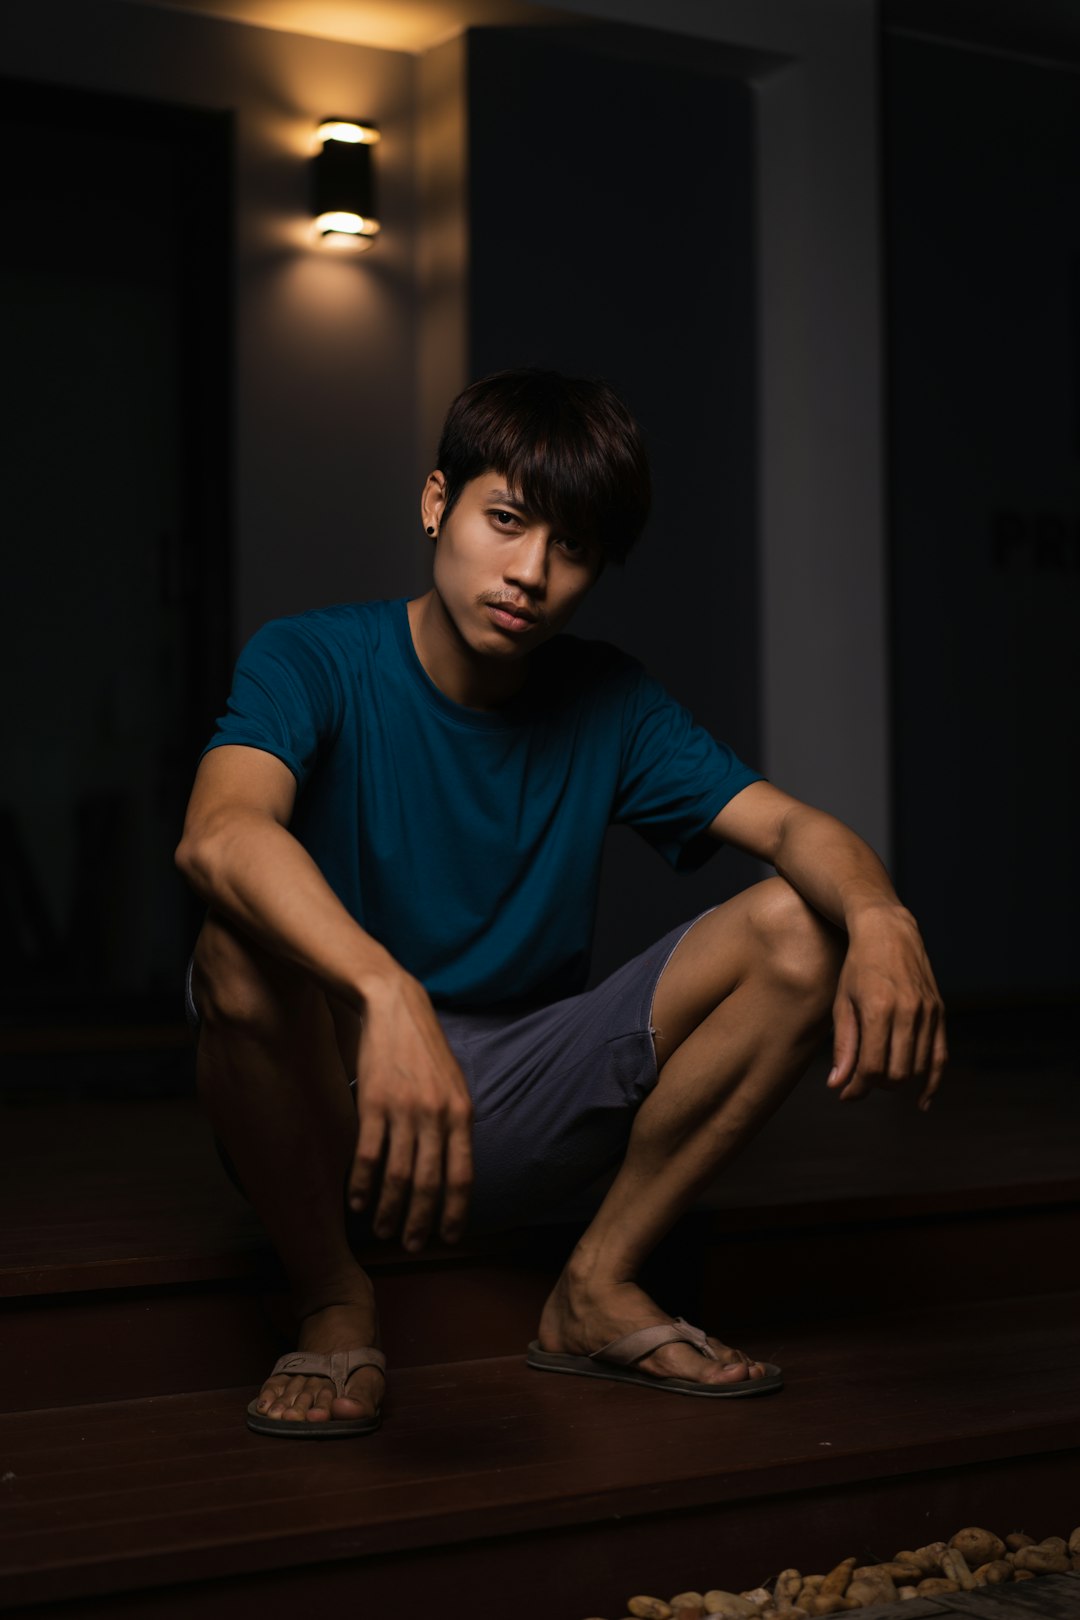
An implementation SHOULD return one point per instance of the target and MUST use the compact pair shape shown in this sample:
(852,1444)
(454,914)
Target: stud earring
(431,528)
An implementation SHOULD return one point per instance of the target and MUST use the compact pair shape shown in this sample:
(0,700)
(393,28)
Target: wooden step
(121,1236)
(488,1477)
(740,1279)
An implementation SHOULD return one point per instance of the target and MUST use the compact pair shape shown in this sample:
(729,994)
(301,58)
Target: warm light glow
(345,242)
(348,224)
(352,134)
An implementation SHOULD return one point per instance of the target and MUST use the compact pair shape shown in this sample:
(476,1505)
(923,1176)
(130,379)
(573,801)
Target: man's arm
(239,855)
(888,1015)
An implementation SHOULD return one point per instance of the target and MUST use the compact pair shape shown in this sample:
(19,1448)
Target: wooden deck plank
(491,1447)
(1051,1597)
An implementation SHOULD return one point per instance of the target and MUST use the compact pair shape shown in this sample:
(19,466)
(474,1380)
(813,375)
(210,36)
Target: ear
(433,501)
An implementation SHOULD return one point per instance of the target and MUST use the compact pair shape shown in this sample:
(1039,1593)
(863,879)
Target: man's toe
(365,1389)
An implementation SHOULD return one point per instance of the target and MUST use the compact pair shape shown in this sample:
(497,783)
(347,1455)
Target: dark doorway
(983,156)
(115,283)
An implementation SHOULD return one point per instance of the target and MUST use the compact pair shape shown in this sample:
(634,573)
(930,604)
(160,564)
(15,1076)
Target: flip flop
(616,1360)
(338,1366)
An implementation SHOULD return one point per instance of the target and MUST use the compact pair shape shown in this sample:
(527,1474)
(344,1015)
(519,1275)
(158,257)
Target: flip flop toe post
(339,1367)
(618,1359)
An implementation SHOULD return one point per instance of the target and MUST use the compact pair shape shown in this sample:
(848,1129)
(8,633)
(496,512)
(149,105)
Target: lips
(511,616)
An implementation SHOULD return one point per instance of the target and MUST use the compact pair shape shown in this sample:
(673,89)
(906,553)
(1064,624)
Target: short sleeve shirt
(468,842)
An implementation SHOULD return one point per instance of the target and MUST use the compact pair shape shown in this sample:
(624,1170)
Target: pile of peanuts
(971,1558)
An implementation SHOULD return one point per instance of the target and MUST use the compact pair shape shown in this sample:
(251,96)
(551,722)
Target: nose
(527,565)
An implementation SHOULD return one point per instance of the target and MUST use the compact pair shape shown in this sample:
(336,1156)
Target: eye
(577,549)
(504,520)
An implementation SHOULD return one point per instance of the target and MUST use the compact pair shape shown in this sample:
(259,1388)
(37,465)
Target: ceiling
(1047,28)
(396,25)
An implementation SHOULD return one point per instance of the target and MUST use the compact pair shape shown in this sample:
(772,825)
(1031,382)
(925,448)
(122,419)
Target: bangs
(567,447)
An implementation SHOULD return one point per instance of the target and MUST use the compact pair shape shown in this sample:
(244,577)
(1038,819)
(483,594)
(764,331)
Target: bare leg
(273,1083)
(738,1012)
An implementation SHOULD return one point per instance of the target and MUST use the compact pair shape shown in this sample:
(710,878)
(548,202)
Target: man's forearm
(833,869)
(251,868)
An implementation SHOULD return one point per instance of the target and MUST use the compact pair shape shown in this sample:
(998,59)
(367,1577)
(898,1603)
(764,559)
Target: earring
(431,528)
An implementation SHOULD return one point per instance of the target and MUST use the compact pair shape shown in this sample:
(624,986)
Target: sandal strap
(338,1366)
(643,1341)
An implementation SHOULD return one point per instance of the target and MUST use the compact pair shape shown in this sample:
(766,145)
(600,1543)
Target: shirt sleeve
(286,696)
(675,776)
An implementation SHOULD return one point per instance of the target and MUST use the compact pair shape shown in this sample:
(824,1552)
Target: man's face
(506,577)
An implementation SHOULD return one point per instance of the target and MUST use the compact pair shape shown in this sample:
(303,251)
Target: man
(397,831)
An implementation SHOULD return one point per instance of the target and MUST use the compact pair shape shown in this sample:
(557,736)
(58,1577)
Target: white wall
(325,398)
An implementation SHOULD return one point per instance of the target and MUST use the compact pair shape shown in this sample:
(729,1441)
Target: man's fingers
(459,1177)
(397,1179)
(369,1150)
(426,1187)
(874,1034)
(938,1060)
(924,1044)
(845,1042)
(903,1046)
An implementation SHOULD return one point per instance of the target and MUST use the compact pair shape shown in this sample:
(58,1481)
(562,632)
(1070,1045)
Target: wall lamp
(343,185)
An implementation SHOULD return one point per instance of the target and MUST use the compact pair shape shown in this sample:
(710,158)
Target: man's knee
(797,947)
(234,985)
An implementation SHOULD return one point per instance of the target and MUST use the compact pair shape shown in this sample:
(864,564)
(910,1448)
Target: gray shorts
(554,1092)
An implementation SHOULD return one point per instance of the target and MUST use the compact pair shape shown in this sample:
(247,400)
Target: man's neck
(461,674)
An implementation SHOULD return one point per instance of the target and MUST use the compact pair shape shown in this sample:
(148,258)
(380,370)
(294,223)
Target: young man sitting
(397,830)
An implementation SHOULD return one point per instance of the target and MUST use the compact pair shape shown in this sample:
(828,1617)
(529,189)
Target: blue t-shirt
(468,842)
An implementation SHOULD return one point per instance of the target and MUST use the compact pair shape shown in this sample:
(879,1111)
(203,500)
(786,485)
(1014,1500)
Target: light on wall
(343,185)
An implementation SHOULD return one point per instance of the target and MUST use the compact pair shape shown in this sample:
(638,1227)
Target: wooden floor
(915,1277)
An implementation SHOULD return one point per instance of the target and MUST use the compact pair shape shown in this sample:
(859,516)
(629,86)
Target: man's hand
(888,1016)
(414,1108)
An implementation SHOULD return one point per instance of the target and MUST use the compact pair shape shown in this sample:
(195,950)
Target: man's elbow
(199,853)
(192,859)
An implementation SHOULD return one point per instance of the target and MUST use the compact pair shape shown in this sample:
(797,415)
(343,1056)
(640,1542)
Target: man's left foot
(579,1319)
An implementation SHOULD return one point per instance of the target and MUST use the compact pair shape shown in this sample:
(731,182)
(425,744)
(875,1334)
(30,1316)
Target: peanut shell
(928,1558)
(994,1573)
(1017,1539)
(900,1569)
(978,1546)
(788,1585)
(837,1579)
(1040,1562)
(954,1567)
(935,1583)
(867,1593)
(729,1605)
(650,1608)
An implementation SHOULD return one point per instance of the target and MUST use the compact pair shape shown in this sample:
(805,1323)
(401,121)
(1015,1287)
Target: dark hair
(568,447)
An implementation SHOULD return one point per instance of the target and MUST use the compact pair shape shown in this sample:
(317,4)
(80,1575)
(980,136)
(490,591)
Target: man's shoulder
(340,627)
(338,618)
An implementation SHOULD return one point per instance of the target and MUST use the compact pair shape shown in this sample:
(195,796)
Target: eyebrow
(504,498)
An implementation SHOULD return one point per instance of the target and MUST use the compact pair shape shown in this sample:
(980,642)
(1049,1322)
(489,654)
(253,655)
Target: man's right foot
(308,1398)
